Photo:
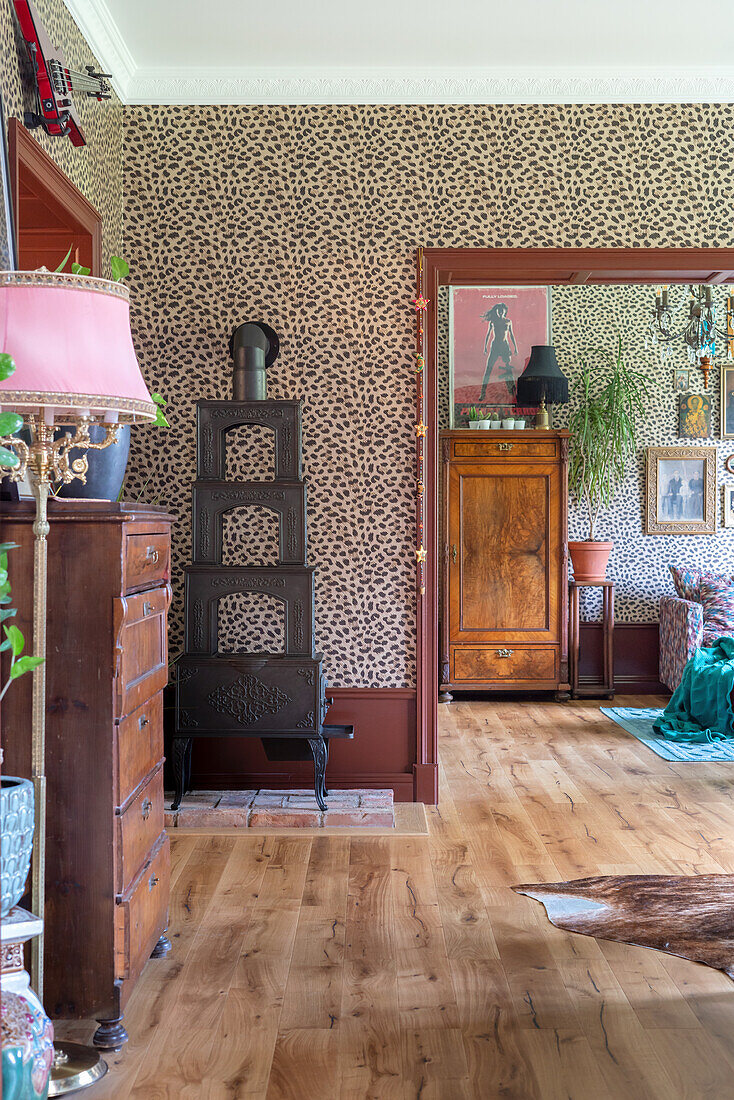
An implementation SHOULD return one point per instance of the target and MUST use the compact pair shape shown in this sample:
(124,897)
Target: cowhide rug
(690,916)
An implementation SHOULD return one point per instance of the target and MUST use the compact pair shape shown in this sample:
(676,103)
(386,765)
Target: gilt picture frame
(680,491)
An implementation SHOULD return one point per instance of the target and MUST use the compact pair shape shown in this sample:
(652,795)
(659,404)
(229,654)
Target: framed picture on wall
(729,506)
(8,252)
(491,332)
(727,402)
(694,416)
(681,379)
(680,494)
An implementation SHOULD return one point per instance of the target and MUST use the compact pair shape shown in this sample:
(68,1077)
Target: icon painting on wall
(491,333)
(694,416)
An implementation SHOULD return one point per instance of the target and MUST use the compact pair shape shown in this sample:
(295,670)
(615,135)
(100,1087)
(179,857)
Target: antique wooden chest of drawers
(504,608)
(107,864)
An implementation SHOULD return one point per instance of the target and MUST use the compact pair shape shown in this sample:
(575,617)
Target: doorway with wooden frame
(511,267)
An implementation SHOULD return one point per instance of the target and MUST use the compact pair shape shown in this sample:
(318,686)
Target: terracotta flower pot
(589,560)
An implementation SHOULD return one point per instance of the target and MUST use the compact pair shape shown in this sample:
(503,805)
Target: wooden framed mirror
(50,212)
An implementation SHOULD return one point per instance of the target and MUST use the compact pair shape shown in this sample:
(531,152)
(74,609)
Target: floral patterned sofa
(701,612)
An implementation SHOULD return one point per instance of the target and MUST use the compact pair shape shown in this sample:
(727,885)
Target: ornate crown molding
(285,86)
(213,86)
(97,25)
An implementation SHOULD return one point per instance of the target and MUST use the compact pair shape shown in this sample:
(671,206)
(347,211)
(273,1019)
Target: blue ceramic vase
(16,839)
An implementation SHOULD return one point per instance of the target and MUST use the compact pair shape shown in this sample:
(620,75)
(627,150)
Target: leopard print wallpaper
(95,169)
(308,217)
(584,320)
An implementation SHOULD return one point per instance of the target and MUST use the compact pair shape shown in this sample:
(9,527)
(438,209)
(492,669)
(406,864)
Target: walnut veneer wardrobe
(505,587)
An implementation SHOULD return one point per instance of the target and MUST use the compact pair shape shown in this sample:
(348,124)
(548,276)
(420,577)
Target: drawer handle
(148,608)
(143,721)
(453,553)
(152,881)
(146,808)
(504,652)
(151,554)
(505,446)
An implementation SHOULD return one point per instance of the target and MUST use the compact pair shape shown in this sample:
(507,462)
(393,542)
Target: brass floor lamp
(75,365)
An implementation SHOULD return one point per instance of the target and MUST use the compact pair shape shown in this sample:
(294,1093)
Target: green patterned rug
(638,721)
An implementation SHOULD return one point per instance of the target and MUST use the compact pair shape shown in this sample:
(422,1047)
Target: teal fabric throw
(701,707)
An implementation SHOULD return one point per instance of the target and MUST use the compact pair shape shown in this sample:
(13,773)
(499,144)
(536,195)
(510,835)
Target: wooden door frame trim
(24,151)
(495,267)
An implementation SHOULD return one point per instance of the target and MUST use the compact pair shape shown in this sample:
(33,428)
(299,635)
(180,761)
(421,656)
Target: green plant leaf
(120,268)
(7,366)
(25,664)
(7,613)
(8,546)
(158,398)
(78,269)
(8,458)
(62,265)
(160,420)
(16,639)
(10,423)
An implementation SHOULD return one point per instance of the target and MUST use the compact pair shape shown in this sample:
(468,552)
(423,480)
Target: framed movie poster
(727,402)
(491,332)
(681,491)
(694,416)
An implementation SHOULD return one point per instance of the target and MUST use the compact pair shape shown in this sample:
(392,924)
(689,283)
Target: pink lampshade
(70,338)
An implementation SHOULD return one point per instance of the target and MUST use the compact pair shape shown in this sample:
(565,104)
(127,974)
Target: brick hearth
(281,810)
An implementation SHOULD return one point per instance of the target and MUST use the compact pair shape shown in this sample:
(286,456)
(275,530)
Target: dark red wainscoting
(381,755)
(635,657)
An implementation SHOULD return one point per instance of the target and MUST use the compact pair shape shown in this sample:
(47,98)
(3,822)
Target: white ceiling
(250,51)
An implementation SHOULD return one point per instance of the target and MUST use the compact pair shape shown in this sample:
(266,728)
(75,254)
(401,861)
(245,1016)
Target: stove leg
(181,750)
(187,764)
(326,764)
(318,749)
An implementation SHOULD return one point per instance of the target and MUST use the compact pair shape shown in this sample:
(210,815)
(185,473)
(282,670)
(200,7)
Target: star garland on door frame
(420,303)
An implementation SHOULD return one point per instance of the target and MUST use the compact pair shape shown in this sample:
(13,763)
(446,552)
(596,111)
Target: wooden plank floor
(348,968)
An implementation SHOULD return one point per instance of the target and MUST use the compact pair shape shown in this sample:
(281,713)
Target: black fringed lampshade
(542,379)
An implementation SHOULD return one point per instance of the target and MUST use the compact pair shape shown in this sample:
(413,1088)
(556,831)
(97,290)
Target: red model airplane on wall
(55,81)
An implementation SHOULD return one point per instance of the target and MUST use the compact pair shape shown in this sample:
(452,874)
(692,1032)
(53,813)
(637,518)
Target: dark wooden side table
(605,689)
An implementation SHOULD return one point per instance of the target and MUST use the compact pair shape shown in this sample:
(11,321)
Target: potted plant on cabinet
(603,440)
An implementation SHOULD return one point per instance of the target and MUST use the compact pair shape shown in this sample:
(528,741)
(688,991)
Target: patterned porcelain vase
(16,839)
(27,1047)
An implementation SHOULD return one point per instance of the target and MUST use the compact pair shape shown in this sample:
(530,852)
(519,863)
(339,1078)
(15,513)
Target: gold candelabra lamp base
(542,419)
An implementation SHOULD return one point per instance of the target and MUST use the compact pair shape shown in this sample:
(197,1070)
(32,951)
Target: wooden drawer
(147,560)
(142,913)
(500,664)
(139,747)
(142,653)
(506,448)
(138,828)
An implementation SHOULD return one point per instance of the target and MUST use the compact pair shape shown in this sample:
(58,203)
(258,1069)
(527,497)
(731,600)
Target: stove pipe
(254,347)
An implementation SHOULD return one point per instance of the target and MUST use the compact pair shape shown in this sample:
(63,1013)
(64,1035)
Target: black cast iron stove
(279,697)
